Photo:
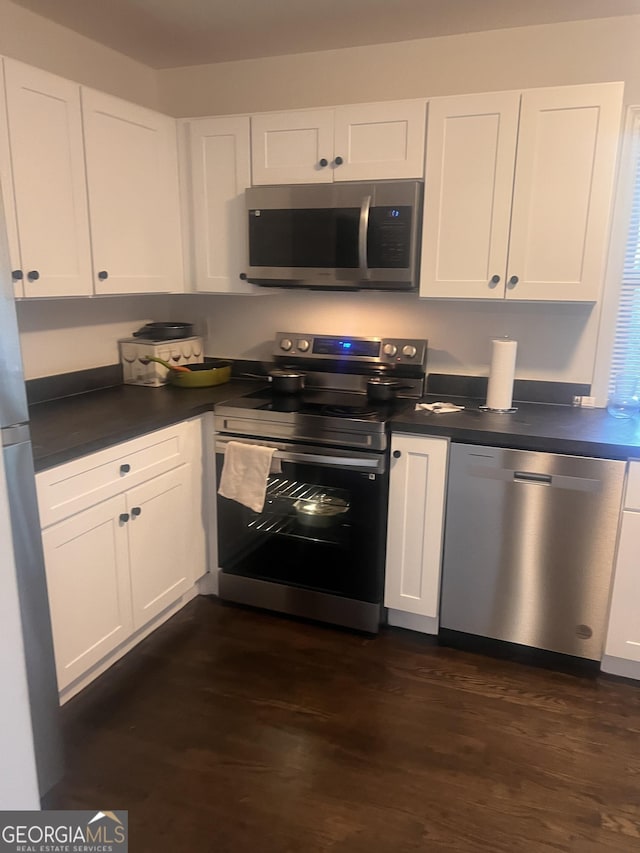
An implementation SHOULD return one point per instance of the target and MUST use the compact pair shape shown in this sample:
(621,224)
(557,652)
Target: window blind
(626,348)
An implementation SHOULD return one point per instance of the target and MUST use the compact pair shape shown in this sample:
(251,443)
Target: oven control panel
(348,348)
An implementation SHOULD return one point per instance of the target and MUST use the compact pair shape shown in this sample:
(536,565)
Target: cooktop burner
(335,404)
(350,411)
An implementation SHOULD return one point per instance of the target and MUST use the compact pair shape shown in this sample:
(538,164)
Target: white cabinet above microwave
(358,142)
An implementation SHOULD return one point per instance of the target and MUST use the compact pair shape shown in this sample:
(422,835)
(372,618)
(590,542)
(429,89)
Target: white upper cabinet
(518,190)
(471,150)
(379,141)
(132,175)
(567,146)
(293,147)
(49,231)
(7,202)
(351,143)
(217,170)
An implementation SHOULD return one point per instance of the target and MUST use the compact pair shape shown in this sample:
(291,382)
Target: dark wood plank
(232,730)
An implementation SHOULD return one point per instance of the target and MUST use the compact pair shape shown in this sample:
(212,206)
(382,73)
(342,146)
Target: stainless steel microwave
(342,236)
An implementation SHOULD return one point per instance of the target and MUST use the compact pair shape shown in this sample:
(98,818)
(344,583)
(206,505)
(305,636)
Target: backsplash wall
(555,341)
(63,335)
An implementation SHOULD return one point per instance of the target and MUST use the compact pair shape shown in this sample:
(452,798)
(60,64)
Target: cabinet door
(7,202)
(88,583)
(567,146)
(379,141)
(287,148)
(159,534)
(470,157)
(45,135)
(132,174)
(623,636)
(219,167)
(416,513)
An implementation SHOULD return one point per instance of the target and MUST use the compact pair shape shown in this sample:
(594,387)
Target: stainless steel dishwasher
(529,547)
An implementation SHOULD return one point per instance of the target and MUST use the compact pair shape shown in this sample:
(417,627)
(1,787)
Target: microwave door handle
(363,230)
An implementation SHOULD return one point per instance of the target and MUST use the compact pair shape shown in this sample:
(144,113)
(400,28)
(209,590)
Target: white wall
(548,55)
(63,335)
(37,41)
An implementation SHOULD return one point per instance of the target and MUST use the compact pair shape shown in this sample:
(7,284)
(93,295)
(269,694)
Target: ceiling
(171,33)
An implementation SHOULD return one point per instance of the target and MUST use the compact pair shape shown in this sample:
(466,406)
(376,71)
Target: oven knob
(390,349)
(285,344)
(409,351)
(303,345)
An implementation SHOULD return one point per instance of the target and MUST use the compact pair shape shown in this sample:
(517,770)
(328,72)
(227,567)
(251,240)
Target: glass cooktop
(333,404)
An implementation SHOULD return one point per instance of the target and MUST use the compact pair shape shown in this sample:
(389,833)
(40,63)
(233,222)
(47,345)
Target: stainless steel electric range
(317,548)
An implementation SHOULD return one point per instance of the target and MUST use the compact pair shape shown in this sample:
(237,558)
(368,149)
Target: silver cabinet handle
(363,229)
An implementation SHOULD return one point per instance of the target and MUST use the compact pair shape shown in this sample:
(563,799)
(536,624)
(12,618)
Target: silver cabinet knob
(286,344)
(409,351)
(303,345)
(389,349)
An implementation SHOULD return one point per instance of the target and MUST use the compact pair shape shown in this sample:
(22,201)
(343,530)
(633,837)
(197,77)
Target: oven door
(337,551)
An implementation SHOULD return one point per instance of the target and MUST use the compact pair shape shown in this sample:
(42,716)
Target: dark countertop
(74,426)
(71,427)
(535,426)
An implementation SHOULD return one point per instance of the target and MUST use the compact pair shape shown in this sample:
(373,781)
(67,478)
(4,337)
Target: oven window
(321,528)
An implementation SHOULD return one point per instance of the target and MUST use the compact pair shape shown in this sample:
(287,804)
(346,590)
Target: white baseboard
(412,621)
(620,666)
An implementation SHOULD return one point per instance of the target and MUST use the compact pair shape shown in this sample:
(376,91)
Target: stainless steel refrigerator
(27,544)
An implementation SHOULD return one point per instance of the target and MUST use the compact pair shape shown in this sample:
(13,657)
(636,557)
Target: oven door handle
(376,464)
(345,462)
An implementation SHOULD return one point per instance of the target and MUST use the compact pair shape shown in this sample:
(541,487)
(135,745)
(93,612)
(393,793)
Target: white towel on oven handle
(245,474)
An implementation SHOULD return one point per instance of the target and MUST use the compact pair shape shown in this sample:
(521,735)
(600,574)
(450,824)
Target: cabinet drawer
(632,496)
(70,488)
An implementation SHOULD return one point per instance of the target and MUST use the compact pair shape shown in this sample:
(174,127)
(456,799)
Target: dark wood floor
(232,730)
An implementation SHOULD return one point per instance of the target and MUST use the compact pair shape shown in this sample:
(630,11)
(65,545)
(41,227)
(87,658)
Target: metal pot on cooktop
(287,381)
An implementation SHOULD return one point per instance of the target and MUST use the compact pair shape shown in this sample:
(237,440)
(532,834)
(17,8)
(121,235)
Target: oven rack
(292,490)
(283,522)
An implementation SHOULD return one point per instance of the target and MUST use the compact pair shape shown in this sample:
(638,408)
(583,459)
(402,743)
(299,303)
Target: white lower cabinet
(158,531)
(417,491)
(622,647)
(118,565)
(88,582)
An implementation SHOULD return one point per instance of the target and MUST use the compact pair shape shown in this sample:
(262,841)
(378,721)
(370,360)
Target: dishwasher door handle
(556,481)
(531,477)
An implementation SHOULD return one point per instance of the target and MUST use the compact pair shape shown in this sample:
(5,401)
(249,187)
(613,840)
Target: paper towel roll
(502,373)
